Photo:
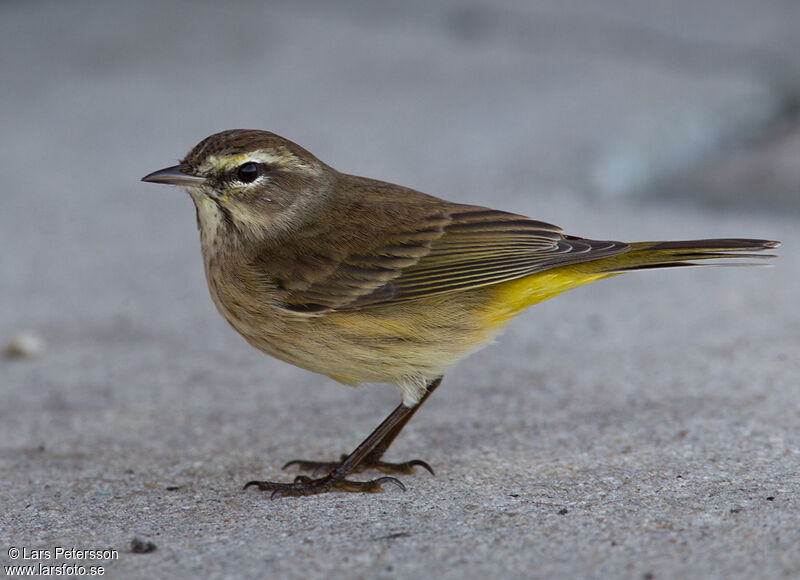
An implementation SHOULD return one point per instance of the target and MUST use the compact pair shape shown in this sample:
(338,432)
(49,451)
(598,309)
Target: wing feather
(471,247)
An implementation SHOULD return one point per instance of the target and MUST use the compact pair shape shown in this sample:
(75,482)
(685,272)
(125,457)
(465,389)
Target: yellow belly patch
(511,297)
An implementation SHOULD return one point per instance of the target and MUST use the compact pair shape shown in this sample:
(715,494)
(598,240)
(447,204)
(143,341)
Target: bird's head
(250,182)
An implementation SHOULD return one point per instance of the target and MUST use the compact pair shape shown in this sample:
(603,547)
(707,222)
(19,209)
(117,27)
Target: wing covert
(467,248)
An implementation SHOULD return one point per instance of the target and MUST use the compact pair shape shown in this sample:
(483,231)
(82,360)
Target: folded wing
(459,249)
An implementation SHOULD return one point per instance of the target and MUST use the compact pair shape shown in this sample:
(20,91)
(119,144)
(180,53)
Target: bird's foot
(317,467)
(304,485)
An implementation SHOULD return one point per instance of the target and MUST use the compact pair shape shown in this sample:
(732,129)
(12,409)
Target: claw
(381,480)
(316,467)
(304,485)
(407,467)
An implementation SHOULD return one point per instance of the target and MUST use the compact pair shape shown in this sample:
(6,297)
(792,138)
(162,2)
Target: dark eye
(247,172)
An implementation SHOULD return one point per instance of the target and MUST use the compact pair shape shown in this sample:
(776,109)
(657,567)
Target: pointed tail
(647,255)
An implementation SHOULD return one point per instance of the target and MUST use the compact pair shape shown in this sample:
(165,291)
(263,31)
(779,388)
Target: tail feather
(649,255)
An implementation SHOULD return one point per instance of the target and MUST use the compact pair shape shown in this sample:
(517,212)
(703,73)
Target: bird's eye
(247,172)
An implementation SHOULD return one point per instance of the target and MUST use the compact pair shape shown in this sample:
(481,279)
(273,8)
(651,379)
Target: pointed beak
(175,175)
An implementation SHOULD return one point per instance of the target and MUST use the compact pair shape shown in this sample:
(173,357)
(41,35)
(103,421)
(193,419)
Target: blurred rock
(24,345)
(701,149)
(765,174)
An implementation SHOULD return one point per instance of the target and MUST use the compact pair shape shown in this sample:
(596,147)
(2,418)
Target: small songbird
(366,281)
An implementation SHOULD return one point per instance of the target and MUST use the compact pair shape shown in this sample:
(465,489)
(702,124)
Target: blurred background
(621,119)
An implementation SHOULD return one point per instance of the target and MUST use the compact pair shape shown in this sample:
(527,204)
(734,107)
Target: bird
(367,281)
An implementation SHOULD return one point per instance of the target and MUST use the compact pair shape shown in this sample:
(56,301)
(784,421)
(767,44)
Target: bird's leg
(372,460)
(366,455)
